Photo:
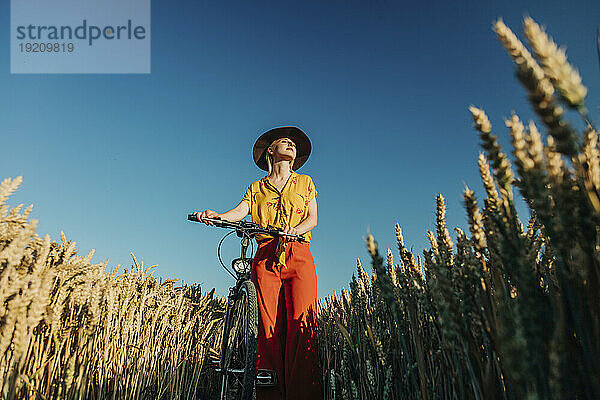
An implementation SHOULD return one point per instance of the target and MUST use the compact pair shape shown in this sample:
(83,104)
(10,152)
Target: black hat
(303,146)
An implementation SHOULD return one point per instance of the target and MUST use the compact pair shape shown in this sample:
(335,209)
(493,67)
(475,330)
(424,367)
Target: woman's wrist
(303,227)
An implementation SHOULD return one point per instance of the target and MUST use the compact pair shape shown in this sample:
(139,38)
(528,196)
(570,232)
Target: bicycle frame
(242,267)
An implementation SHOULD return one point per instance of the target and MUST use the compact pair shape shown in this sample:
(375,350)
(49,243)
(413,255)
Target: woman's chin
(286,157)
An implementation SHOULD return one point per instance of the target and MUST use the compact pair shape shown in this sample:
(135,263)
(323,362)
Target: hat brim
(303,145)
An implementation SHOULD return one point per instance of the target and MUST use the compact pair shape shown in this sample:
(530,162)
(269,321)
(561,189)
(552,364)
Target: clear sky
(382,88)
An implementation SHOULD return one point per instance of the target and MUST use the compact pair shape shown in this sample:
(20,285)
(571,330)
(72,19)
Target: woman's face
(284,148)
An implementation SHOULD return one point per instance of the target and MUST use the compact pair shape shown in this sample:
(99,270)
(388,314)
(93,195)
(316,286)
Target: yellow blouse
(269,206)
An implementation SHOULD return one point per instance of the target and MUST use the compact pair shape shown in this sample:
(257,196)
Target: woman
(283,269)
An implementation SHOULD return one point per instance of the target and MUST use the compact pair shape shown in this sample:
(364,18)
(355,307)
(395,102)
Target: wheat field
(508,310)
(71,330)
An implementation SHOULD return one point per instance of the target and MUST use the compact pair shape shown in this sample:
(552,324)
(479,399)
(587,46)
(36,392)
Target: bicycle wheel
(239,355)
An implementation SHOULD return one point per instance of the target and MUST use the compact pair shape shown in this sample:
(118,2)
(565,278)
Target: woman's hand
(292,231)
(207,214)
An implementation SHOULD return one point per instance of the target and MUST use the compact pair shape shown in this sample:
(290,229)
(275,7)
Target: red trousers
(287,335)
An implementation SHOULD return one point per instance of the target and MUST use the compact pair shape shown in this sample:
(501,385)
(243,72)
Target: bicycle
(237,365)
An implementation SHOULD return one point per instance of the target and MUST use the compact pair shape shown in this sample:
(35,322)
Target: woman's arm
(234,215)
(311,219)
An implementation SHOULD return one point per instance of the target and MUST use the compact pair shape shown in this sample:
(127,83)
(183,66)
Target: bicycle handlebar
(250,228)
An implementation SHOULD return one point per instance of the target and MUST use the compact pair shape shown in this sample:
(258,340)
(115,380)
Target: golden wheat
(68,329)
(511,312)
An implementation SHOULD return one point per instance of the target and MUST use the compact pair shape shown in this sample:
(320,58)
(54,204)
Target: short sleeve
(248,197)
(312,192)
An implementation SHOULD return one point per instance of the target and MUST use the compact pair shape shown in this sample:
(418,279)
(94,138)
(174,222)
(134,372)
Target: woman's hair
(270,158)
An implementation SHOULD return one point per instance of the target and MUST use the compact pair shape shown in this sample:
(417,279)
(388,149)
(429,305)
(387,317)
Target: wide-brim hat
(303,146)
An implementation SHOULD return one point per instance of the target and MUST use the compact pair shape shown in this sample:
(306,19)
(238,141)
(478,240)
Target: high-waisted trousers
(287,335)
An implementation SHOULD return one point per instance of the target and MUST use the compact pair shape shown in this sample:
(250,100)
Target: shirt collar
(268,183)
(266,177)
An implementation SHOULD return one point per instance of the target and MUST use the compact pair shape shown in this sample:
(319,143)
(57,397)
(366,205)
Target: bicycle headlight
(242,265)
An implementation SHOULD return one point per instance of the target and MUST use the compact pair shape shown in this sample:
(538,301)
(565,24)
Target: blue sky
(117,161)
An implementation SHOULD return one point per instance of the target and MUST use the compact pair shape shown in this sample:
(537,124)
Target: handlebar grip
(192,217)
